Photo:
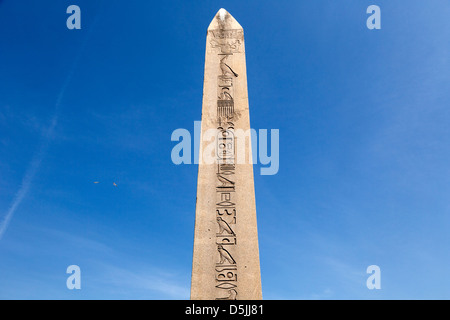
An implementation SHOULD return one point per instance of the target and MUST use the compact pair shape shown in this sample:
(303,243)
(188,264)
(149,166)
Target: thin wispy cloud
(38,157)
(28,178)
(151,281)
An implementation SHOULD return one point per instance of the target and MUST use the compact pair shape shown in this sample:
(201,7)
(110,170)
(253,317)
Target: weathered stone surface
(226,254)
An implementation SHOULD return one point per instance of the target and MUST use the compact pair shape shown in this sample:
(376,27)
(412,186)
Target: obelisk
(226,254)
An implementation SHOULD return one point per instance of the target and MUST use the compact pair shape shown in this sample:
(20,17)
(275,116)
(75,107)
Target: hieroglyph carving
(226,42)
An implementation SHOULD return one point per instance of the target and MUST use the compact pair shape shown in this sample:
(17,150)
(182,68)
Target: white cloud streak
(29,176)
(48,134)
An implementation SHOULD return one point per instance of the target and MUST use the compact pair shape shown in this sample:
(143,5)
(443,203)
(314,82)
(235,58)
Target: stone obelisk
(226,254)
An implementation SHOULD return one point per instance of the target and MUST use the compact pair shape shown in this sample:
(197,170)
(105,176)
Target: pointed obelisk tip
(222,13)
(224,19)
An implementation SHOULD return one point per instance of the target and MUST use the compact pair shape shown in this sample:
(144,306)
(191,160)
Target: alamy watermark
(374,21)
(223,144)
(74,280)
(74,20)
(374,280)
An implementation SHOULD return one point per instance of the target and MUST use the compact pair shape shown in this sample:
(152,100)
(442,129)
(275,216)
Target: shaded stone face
(226,254)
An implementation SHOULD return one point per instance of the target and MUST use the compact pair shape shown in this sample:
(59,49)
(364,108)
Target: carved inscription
(233,34)
(226,43)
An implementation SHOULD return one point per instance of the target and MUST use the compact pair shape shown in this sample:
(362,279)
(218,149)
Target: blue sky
(364,146)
